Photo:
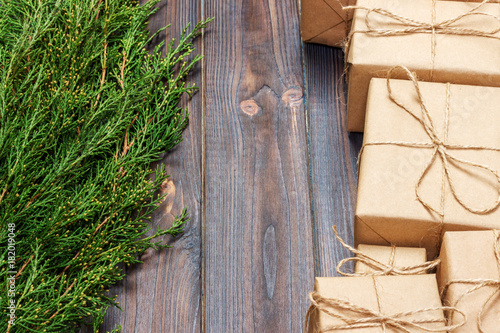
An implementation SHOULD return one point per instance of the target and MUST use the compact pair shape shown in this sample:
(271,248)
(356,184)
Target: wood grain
(333,155)
(163,294)
(258,235)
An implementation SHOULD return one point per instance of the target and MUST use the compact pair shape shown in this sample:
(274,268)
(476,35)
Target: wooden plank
(163,294)
(333,153)
(258,235)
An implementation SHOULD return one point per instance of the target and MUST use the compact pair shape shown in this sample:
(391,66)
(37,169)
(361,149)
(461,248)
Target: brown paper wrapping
(458,59)
(388,211)
(403,257)
(470,255)
(324,21)
(389,295)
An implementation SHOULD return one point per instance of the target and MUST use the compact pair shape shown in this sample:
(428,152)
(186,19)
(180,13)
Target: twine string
(379,306)
(380,268)
(480,284)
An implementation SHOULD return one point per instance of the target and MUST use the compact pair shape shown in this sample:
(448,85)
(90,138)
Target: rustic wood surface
(258,244)
(333,155)
(266,168)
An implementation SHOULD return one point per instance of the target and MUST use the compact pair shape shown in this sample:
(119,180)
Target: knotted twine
(412,26)
(380,268)
(355,316)
(441,148)
(480,283)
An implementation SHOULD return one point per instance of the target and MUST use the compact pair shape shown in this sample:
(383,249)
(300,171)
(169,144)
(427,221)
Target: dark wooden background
(266,168)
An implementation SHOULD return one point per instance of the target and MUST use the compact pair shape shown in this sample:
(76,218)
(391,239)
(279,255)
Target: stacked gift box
(424,87)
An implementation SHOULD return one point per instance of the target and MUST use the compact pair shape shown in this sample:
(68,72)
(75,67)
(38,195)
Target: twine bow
(355,316)
(380,268)
(440,148)
(479,284)
(411,26)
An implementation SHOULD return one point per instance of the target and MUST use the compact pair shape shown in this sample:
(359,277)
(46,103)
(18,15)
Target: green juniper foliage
(84,111)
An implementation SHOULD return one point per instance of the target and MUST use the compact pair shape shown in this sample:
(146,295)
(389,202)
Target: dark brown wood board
(258,243)
(333,155)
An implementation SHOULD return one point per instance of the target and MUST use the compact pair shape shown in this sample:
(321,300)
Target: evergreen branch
(84,112)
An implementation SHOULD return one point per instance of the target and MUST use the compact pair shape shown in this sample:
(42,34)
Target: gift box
(368,303)
(429,163)
(404,259)
(324,21)
(469,276)
(442,41)
(384,260)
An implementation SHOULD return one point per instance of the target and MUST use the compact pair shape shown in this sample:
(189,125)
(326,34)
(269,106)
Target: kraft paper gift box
(384,260)
(403,257)
(445,53)
(384,295)
(324,21)
(405,194)
(472,261)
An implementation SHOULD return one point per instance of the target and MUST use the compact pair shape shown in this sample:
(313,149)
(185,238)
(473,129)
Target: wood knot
(250,107)
(293,96)
(168,190)
(168,187)
(270,258)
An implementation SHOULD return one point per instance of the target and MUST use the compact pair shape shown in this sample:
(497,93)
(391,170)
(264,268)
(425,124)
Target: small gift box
(469,277)
(430,162)
(325,21)
(376,304)
(442,41)
(402,260)
(385,260)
